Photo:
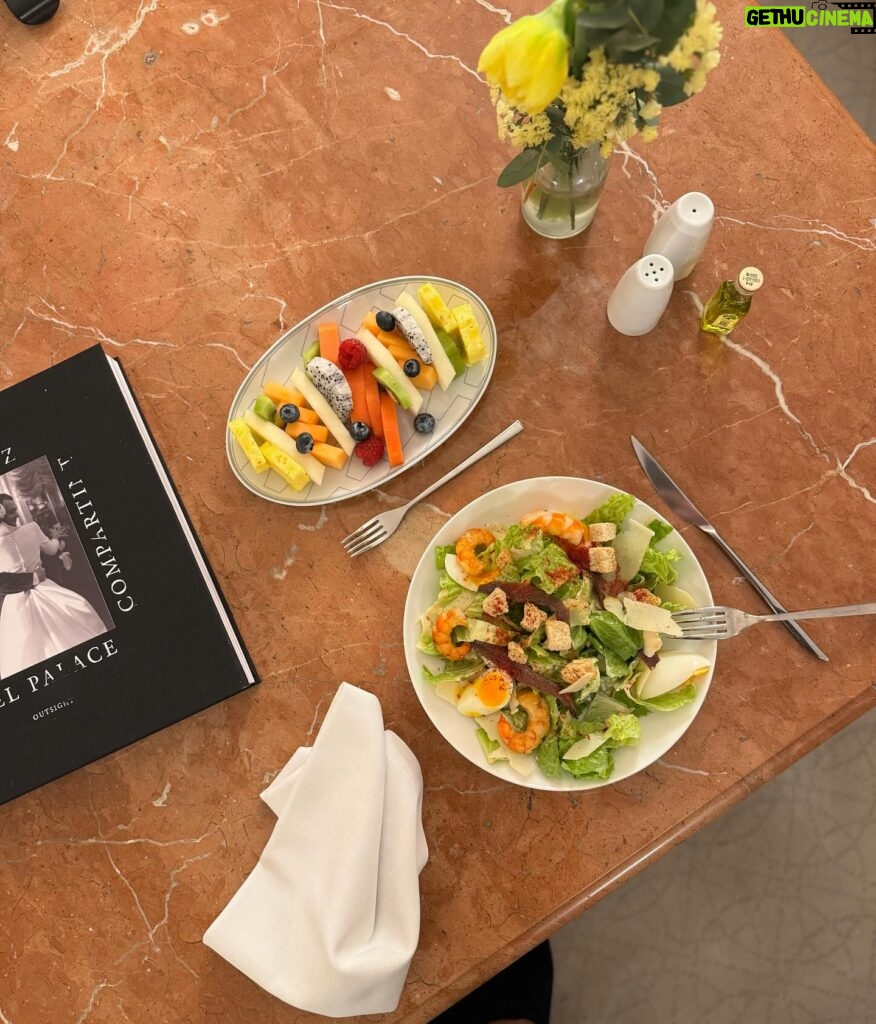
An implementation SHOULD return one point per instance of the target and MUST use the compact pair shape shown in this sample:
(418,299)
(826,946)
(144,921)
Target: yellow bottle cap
(750,279)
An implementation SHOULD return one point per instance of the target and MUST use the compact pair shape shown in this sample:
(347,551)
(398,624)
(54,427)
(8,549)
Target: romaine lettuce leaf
(659,529)
(608,628)
(427,645)
(547,756)
(441,552)
(624,730)
(543,661)
(615,666)
(548,568)
(657,566)
(667,701)
(598,765)
(454,671)
(615,510)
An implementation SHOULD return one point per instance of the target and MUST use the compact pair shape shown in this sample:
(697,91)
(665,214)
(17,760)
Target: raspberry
(370,451)
(351,354)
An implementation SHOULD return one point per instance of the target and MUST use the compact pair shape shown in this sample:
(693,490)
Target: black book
(112,625)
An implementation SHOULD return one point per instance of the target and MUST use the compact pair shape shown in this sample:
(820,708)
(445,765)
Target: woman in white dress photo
(46,619)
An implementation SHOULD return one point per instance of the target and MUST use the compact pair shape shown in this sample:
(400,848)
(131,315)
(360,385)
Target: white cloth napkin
(329,918)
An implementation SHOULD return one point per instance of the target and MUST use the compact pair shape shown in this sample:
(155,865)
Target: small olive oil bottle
(727,307)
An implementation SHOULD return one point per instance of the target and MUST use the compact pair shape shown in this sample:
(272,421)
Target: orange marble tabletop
(181,183)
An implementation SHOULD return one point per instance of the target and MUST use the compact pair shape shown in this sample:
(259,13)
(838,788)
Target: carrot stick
(329,341)
(389,415)
(356,379)
(372,399)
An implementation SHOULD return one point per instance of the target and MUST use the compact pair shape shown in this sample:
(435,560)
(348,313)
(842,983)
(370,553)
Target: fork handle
(796,631)
(490,446)
(822,613)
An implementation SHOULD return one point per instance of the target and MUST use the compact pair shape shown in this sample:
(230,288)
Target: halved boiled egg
(455,571)
(674,669)
(486,694)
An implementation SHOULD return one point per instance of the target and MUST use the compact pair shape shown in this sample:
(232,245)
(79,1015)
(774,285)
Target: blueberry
(411,368)
(304,443)
(289,413)
(385,321)
(424,423)
(359,431)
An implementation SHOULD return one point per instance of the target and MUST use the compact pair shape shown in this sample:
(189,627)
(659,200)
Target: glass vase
(561,202)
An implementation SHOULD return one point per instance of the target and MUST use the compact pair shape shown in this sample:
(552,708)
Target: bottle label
(725,322)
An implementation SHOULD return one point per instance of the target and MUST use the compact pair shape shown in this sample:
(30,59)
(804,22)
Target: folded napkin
(329,918)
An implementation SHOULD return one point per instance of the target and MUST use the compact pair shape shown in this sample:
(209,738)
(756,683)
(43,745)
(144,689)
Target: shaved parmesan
(585,747)
(648,617)
(673,670)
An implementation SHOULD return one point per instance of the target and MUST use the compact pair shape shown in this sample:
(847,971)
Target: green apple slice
(268,432)
(387,379)
(381,356)
(443,366)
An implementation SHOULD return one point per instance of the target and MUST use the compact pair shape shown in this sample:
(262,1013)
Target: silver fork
(719,623)
(380,527)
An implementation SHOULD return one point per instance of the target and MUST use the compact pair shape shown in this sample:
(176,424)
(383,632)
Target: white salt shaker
(682,232)
(641,295)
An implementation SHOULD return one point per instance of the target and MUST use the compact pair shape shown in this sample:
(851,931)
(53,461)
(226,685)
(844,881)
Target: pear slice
(442,364)
(381,356)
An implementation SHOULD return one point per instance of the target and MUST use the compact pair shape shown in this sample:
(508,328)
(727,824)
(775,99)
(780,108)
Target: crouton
(643,595)
(580,668)
(559,636)
(602,533)
(496,603)
(532,617)
(516,653)
(602,559)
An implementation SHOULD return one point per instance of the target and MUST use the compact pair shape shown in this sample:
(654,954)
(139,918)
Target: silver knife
(685,509)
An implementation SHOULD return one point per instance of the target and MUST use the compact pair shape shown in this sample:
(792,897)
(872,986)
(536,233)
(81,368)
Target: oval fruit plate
(280,370)
(506,505)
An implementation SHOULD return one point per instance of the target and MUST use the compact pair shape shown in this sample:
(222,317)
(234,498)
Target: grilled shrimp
(538,720)
(442,635)
(466,553)
(558,524)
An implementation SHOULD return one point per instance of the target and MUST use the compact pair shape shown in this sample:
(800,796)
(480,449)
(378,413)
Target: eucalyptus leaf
(523,166)
(676,19)
(629,41)
(614,17)
(647,13)
(671,88)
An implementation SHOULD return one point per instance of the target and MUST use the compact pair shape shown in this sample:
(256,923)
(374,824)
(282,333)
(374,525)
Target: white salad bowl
(505,505)
(450,408)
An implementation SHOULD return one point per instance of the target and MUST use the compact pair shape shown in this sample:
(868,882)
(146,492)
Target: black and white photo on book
(50,599)
(112,623)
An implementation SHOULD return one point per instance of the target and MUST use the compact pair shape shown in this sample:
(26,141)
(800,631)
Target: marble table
(181,183)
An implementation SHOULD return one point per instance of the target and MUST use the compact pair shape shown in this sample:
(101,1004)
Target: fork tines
(702,623)
(368,535)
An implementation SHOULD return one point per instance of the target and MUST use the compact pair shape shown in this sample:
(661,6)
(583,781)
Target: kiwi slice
(384,377)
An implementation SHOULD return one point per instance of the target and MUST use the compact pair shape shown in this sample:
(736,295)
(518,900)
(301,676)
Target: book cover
(112,625)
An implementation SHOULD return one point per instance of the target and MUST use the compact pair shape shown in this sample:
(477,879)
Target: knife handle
(796,631)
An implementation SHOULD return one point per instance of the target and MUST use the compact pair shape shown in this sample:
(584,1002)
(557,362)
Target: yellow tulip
(529,60)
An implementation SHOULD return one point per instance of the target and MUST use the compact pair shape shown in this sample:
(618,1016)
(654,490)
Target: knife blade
(685,509)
